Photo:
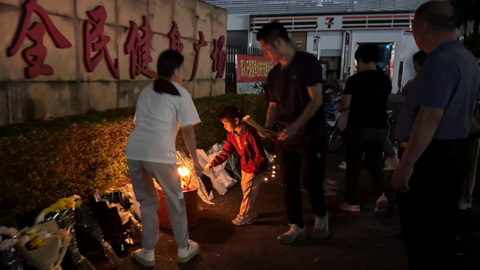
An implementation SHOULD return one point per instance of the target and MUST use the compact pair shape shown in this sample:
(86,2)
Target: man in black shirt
(295,96)
(366,95)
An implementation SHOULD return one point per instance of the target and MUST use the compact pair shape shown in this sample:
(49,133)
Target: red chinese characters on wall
(219,57)
(138,47)
(196,47)
(138,44)
(35,55)
(95,41)
(175,38)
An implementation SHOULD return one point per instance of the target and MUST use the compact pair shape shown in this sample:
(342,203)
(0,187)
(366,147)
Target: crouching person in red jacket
(248,145)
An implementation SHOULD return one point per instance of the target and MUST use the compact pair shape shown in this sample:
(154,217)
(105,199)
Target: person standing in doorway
(432,127)
(416,58)
(366,96)
(161,110)
(295,96)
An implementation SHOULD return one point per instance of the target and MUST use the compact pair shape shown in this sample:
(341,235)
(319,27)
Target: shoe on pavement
(186,254)
(145,257)
(321,230)
(382,204)
(343,165)
(350,208)
(292,235)
(240,220)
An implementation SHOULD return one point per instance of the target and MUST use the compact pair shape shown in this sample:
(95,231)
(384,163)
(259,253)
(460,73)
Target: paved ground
(357,241)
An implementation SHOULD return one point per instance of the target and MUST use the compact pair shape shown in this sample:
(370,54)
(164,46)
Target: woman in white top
(161,110)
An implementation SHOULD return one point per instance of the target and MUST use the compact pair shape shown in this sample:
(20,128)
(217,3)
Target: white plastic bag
(221,181)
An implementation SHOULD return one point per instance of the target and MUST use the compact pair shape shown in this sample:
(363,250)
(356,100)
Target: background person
(416,58)
(366,96)
(151,154)
(295,96)
(435,120)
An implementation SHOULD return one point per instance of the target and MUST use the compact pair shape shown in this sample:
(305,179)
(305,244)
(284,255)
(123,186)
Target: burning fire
(184,173)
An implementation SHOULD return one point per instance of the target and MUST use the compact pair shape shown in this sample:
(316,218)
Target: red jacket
(250,148)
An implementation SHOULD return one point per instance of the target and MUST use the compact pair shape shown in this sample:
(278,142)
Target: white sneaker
(292,235)
(321,230)
(350,208)
(239,221)
(186,254)
(382,204)
(145,257)
(343,165)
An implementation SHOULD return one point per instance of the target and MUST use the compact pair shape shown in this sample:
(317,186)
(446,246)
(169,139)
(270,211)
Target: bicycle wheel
(335,140)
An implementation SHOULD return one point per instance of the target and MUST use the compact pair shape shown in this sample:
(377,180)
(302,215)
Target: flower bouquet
(44,245)
(63,213)
(10,259)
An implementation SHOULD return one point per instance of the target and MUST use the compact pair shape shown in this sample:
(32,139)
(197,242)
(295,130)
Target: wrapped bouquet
(63,213)
(44,245)
(10,258)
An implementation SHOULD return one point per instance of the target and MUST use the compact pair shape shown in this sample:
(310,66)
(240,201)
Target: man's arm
(424,128)
(345,103)
(316,95)
(272,115)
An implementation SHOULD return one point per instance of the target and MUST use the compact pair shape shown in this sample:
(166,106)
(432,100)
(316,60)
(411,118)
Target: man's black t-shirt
(370,90)
(288,88)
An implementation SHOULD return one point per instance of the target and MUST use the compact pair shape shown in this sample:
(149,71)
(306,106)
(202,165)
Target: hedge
(42,161)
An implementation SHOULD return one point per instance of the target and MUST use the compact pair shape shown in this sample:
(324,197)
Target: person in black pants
(295,96)
(433,125)
(366,96)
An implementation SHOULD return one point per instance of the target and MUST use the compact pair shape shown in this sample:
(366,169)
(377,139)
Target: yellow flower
(62,204)
(35,242)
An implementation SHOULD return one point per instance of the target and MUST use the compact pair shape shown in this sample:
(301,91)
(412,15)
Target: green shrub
(42,161)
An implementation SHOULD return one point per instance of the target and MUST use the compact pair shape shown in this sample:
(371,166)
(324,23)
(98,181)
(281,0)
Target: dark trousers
(360,140)
(428,212)
(303,164)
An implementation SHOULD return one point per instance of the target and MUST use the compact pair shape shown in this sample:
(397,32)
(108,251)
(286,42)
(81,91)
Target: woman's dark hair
(167,62)
(230,113)
(368,53)
(419,55)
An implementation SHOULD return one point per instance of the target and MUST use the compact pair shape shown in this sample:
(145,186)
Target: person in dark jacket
(248,145)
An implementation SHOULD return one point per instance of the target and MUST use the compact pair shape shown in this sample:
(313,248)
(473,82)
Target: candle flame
(183,171)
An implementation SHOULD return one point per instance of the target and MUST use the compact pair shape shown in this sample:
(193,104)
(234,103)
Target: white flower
(6,244)
(8,231)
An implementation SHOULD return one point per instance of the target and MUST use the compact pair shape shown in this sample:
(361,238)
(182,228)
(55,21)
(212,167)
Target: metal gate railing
(231,69)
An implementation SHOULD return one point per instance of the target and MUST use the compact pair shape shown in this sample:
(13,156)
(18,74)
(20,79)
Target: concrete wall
(238,22)
(73,90)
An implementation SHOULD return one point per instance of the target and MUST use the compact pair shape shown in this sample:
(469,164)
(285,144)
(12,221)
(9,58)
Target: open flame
(183,171)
